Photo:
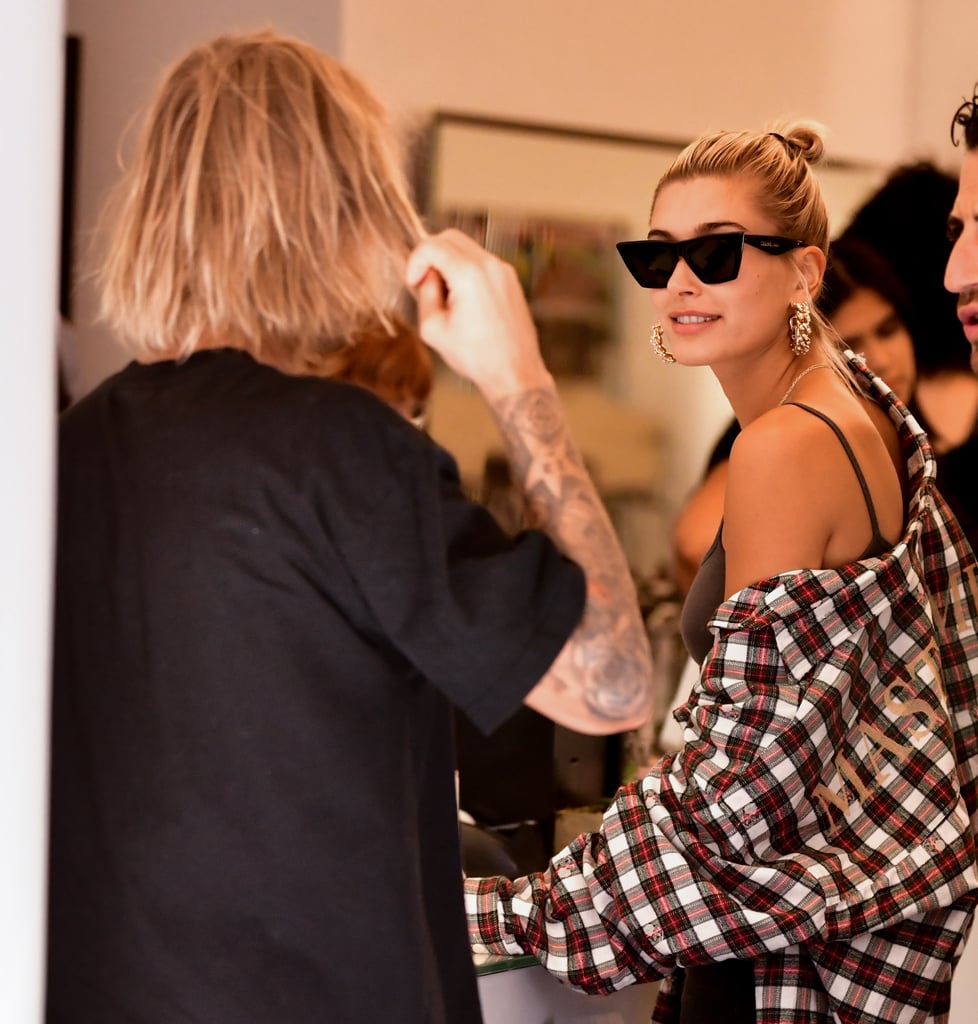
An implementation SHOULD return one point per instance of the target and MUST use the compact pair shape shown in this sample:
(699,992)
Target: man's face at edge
(961,276)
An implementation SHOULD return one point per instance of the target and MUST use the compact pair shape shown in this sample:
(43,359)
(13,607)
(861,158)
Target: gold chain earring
(800,327)
(659,346)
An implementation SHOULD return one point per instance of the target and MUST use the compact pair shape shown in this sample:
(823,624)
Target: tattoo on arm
(607,661)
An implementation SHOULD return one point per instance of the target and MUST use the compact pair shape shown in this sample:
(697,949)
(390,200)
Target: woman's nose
(682,278)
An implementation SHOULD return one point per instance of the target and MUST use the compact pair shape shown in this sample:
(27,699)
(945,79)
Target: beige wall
(884,75)
(650,66)
(944,72)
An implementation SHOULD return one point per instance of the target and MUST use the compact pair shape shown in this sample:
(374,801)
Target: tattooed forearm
(606,663)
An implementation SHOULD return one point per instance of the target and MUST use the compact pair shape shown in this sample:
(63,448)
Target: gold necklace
(799,377)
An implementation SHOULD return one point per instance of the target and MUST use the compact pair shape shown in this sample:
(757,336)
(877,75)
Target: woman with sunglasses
(808,855)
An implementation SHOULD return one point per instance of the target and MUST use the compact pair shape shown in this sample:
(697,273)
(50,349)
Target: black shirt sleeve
(480,615)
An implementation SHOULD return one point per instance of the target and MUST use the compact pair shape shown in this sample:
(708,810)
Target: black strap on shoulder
(874,522)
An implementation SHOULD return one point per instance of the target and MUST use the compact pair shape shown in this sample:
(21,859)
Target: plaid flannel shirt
(820,818)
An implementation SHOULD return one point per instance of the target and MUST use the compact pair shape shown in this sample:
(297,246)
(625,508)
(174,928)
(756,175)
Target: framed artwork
(569,278)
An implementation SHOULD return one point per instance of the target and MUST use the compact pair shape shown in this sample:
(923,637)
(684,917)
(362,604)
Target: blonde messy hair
(779,161)
(265,208)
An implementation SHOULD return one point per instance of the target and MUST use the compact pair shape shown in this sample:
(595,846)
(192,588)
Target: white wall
(30,66)
(125,47)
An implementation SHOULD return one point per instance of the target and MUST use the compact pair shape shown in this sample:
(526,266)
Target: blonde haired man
(271,588)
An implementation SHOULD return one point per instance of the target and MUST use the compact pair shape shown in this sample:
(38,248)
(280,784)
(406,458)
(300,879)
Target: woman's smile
(690,322)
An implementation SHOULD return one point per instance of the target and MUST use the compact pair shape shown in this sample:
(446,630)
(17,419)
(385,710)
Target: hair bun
(802,138)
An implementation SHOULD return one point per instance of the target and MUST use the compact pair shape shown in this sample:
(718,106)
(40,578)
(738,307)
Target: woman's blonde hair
(780,162)
(265,208)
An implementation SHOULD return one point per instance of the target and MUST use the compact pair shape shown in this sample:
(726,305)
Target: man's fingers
(431,295)
(448,252)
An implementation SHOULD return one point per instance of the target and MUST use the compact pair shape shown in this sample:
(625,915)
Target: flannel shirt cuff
(484,908)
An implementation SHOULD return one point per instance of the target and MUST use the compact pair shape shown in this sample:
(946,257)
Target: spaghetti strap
(878,538)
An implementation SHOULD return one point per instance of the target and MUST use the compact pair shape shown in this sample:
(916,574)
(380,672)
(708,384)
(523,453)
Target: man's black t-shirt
(957,480)
(270,590)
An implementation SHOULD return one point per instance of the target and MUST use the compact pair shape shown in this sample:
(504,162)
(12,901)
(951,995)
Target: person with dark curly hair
(868,305)
(904,221)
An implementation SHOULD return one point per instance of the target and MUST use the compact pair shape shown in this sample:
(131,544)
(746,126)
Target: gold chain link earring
(800,328)
(659,346)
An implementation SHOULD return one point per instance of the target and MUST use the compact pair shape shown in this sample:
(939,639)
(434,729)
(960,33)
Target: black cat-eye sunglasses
(714,259)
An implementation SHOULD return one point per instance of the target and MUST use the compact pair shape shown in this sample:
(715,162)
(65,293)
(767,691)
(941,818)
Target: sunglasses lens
(650,263)
(715,259)
(658,262)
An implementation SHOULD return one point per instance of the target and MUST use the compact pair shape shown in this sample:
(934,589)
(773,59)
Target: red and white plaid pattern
(820,818)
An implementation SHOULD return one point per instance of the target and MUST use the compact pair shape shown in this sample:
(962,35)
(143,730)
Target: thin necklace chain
(800,377)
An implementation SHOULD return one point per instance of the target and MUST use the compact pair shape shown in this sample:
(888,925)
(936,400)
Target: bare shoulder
(811,491)
(772,449)
(776,516)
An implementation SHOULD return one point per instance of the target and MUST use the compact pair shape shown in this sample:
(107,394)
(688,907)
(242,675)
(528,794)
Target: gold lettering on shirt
(829,798)
(837,803)
(902,708)
(962,590)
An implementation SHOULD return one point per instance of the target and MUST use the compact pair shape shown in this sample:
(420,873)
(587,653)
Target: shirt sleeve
(661,884)
(645,894)
(737,846)
(480,615)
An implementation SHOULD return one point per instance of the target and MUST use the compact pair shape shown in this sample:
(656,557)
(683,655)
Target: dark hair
(721,450)
(966,117)
(854,264)
(906,222)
